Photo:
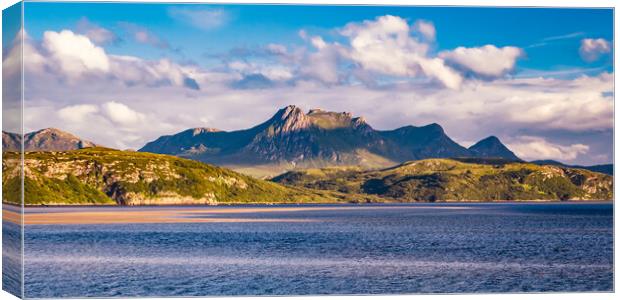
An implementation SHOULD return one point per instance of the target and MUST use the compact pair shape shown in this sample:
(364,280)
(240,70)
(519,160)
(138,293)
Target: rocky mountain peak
(492,147)
(47,139)
(201,130)
(289,119)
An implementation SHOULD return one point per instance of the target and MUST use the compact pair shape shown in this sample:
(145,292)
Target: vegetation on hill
(105,176)
(459,180)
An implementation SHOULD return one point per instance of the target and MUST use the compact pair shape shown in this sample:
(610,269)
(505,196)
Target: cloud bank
(125,101)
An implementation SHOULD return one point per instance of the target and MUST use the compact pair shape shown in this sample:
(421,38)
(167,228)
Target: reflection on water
(359,250)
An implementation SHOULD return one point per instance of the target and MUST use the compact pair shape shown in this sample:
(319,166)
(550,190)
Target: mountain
(605,168)
(49,139)
(293,139)
(459,180)
(105,176)
(492,147)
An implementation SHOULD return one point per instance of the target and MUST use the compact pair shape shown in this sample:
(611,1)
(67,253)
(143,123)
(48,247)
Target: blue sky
(550,35)
(541,79)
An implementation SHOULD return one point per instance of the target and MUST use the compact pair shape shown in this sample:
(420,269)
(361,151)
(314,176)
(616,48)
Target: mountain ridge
(294,139)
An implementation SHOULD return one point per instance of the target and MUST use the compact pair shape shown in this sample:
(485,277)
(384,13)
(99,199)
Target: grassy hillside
(105,176)
(467,179)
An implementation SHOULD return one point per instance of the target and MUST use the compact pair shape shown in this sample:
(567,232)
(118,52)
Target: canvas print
(167,149)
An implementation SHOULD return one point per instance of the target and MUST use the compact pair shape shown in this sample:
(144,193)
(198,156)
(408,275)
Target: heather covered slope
(459,180)
(105,176)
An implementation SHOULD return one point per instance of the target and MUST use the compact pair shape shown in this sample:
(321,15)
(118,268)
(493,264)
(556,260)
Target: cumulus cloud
(487,60)
(534,148)
(121,113)
(323,64)
(74,54)
(78,113)
(75,57)
(426,28)
(124,101)
(95,33)
(592,49)
(205,19)
(371,41)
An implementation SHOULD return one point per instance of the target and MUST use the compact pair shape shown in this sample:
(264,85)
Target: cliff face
(460,180)
(104,176)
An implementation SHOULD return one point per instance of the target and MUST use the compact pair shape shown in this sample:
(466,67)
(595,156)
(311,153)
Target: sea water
(369,249)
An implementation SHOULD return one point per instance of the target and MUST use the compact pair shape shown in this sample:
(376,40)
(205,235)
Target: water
(417,248)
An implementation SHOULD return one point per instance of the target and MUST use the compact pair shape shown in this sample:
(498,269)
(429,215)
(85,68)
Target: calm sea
(380,249)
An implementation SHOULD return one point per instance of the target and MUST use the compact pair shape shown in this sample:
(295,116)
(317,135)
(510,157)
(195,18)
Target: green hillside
(105,176)
(459,180)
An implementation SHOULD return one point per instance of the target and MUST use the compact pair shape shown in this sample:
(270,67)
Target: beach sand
(167,215)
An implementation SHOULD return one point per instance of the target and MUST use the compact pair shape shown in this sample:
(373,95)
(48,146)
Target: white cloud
(486,60)
(120,106)
(534,148)
(205,19)
(121,113)
(427,29)
(75,57)
(275,72)
(78,113)
(95,33)
(592,49)
(384,45)
(276,49)
(144,36)
(74,54)
(322,64)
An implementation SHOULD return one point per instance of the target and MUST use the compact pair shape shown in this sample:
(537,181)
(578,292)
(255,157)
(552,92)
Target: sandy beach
(94,215)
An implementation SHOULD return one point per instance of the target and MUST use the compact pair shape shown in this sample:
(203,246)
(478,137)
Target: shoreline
(258,204)
(92,215)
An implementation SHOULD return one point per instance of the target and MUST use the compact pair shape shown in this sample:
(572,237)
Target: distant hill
(459,180)
(294,139)
(492,147)
(605,169)
(106,176)
(49,139)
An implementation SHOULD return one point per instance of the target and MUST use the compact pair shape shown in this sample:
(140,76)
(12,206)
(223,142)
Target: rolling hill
(459,180)
(109,177)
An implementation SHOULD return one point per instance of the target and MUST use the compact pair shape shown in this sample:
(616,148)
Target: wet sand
(166,215)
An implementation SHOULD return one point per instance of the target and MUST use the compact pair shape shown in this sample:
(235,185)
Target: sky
(124,74)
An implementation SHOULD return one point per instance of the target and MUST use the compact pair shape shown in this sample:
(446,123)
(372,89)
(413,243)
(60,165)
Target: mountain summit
(48,139)
(294,139)
(492,147)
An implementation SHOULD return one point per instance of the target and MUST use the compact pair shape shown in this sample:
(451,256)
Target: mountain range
(292,139)
(62,169)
